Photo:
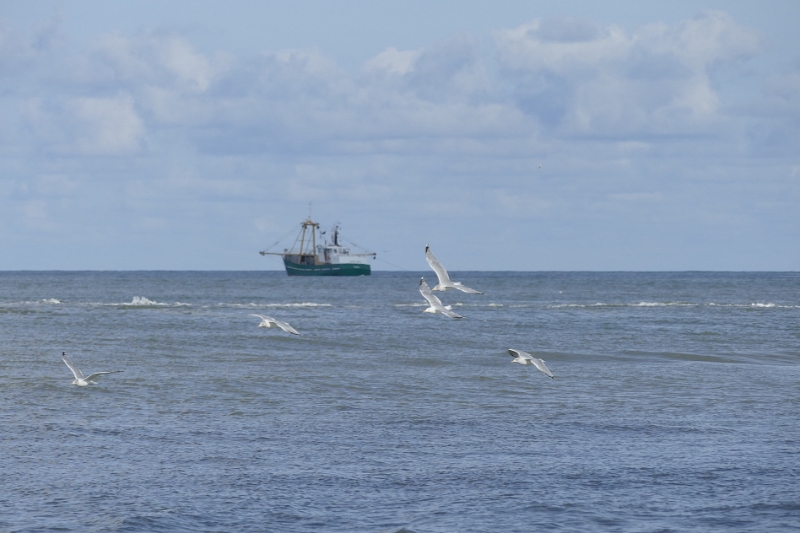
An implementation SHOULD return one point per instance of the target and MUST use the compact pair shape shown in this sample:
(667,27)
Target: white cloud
(626,125)
(157,60)
(393,61)
(107,126)
(601,81)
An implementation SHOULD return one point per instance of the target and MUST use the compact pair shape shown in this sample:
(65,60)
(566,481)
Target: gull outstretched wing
(75,370)
(441,272)
(286,327)
(96,375)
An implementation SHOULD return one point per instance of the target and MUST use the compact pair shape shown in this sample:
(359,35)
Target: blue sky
(507,135)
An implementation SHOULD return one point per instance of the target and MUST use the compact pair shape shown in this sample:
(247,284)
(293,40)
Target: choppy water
(675,405)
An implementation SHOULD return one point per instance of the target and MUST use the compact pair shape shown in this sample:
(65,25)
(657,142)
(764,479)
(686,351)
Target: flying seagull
(435,304)
(444,279)
(268,322)
(81,381)
(524,358)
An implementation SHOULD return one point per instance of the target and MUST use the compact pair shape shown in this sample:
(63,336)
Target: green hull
(348,269)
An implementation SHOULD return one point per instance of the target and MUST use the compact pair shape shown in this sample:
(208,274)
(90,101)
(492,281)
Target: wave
(755,305)
(253,305)
(142,301)
(768,305)
(47,301)
(635,304)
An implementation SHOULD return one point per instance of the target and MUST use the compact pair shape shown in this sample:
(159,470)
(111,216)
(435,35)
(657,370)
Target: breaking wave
(253,305)
(46,301)
(142,301)
(768,305)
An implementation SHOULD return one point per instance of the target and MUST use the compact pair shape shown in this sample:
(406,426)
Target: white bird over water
(444,278)
(435,303)
(81,381)
(269,322)
(524,358)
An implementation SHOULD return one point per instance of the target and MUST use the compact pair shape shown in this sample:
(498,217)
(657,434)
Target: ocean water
(675,407)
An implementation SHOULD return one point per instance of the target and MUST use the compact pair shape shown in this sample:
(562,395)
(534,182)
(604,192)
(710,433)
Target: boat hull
(327,269)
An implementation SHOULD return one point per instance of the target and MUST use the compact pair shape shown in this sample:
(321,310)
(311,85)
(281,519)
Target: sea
(675,404)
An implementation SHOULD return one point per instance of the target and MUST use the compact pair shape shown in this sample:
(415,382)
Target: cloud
(580,78)
(107,126)
(18,54)
(156,59)
(569,76)
(568,124)
(393,61)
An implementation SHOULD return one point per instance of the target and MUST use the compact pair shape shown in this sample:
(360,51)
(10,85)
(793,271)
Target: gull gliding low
(436,305)
(269,322)
(524,358)
(80,380)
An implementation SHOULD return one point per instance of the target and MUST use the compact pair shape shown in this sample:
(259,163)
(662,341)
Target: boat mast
(303,238)
(314,239)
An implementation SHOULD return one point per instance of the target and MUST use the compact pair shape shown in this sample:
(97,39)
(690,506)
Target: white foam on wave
(253,305)
(665,304)
(755,305)
(637,304)
(300,304)
(51,301)
(562,306)
(143,301)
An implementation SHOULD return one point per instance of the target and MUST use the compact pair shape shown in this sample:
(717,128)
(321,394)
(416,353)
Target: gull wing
(519,353)
(266,318)
(464,288)
(75,370)
(98,374)
(450,313)
(433,300)
(441,272)
(428,295)
(286,327)
(539,363)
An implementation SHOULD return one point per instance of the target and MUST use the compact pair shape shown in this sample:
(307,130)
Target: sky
(507,135)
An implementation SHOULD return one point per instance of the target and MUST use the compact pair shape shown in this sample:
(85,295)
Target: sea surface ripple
(674,408)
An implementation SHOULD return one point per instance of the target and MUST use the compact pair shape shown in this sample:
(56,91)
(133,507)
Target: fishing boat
(309,256)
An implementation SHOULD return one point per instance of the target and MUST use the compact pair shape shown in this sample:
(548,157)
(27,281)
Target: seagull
(436,304)
(444,279)
(81,381)
(524,358)
(268,322)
